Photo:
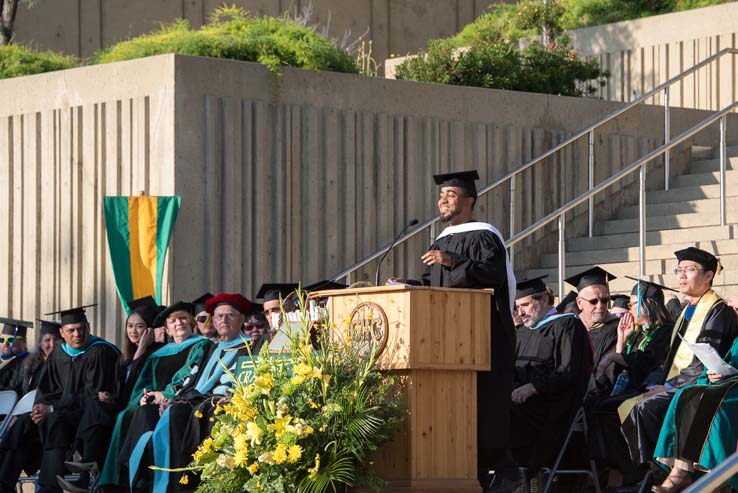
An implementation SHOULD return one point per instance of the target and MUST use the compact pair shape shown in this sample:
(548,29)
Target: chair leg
(595,476)
(644,483)
(526,480)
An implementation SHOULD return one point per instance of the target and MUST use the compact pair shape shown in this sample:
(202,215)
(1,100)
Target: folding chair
(25,405)
(578,425)
(8,398)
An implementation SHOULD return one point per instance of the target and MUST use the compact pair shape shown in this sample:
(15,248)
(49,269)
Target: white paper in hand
(710,358)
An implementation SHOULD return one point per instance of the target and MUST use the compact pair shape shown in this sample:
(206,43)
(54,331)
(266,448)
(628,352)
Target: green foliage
(17,60)
(232,33)
(502,66)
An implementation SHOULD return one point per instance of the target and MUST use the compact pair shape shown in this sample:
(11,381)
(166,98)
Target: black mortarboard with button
(620,301)
(200,302)
(271,291)
(649,289)
(596,276)
(49,327)
(324,286)
(707,260)
(72,315)
(571,297)
(461,179)
(13,327)
(530,286)
(183,306)
(146,307)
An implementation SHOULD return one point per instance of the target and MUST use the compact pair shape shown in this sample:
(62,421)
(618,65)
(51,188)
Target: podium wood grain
(437,340)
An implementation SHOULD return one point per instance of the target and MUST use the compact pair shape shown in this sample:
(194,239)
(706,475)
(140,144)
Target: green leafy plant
(232,33)
(308,422)
(17,60)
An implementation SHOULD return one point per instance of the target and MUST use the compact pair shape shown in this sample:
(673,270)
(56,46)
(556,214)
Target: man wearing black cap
(593,302)
(619,304)
(707,319)
(67,409)
(471,254)
(274,294)
(13,351)
(553,364)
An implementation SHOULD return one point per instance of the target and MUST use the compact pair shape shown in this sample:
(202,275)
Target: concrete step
(710,178)
(701,152)
(668,236)
(657,223)
(702,206)
(688,193)
(721,248)
(712,164)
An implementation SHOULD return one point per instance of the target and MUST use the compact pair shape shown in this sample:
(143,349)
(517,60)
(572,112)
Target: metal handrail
(717,477)
(589,131)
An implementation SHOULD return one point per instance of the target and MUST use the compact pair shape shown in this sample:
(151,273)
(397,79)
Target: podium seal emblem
(368,328)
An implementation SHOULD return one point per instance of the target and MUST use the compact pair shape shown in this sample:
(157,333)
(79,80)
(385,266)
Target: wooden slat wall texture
(289,177)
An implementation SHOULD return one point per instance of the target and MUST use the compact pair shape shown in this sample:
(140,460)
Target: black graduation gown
(556,358)
(129,372)
(604,339)
(11,374)
(71,385)
(642,426)
(479,261)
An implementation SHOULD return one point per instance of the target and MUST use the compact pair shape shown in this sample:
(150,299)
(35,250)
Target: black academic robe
(11,374)
(556,358)
(642,426)
(79,420)
(604,338)
(129,372)
(479,261)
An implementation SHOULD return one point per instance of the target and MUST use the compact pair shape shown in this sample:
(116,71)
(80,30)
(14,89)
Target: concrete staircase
(686,215)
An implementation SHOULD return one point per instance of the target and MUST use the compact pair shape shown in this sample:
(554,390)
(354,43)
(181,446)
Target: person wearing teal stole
(162,374)
(700,429)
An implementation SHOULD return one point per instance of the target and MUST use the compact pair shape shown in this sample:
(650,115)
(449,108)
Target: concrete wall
(80,27)
(282,178)
(644,53)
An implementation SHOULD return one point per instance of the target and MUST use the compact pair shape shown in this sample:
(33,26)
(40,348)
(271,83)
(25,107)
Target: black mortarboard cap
(707,260)
(72,315)
(570,297)
(530,286)
(49,327)
(649,289)
(200,302)
(324,286)
(461,179)
(620,301)
(271,291)
(596,276)
(161,318)
(146,307)
(13,327)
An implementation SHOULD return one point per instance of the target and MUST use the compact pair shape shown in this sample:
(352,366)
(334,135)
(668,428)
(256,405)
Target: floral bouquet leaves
(308,423)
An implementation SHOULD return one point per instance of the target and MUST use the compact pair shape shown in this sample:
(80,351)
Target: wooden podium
(437,339)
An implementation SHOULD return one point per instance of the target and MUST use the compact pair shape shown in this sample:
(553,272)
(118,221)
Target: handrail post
(511,251)
(348,279)
(590,167)
(642,221)
(562,253)
(723,165)
(666,137)
(432,233)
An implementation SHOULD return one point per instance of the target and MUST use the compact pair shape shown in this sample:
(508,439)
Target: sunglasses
(254,326)
(9,340)
(594,301)
(202,319)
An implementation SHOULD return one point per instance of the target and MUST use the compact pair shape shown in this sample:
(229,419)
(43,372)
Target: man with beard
(553,364)
(471,254)
(593,302)
(13,352)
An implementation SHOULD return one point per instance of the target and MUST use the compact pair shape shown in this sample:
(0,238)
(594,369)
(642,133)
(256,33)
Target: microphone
(379,264)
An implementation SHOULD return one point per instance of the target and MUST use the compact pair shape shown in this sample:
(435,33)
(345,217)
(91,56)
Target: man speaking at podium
(471,254)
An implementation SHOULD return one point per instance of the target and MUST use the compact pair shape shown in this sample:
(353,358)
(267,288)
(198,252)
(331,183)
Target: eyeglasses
(254,326)
(224,316)
(687,270)
(594,301)
(202,319)
(9,339)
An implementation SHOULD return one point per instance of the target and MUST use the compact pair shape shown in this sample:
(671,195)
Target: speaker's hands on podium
(523,393)
(436,257)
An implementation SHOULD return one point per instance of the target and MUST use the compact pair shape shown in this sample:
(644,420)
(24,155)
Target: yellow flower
(302,369)
(253,433)
(280,454)
(314,470)
(294,453)
(279,425)
(241,458)
(198,415)
(297,380)
(253,468)
(326,380)
(313,405)
(265,383)
(241,443)
(317,373)
(184,479)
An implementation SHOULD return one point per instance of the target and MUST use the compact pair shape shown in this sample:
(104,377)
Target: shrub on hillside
(233,34)
(17,60)
(500,65)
